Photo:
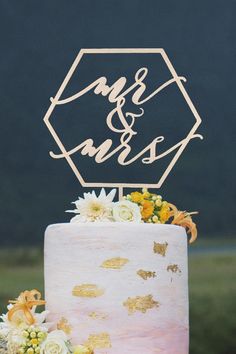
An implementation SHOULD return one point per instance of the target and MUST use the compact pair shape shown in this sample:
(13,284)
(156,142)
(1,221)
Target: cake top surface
(107,224)
(142,209)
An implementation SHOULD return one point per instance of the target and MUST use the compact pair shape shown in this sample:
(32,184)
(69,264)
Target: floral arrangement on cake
(23,331)
(140,207)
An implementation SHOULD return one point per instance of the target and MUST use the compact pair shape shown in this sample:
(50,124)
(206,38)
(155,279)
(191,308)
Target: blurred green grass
(212,287)
(20,269)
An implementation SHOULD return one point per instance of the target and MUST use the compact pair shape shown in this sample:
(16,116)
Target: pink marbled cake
(138,306)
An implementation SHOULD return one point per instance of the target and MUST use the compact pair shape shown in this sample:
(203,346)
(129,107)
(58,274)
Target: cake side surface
(122,287)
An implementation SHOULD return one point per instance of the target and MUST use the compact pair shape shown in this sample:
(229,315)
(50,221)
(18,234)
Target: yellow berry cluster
(153,208)
(33,338)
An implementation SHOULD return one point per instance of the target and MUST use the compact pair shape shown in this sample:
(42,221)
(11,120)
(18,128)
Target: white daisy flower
(93,208)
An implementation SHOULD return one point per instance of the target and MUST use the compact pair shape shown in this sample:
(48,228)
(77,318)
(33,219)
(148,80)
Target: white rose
(126,211)
(55,343)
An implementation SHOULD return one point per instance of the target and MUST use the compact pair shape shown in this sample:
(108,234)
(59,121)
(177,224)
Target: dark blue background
(39,41)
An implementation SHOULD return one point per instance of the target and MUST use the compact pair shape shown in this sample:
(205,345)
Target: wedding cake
(119,287)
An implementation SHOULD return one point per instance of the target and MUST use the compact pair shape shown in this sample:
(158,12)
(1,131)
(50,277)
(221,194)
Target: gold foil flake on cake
(115,263)
(87,290)
(146,274)
(160,248)
(174,268)
(98,315)
(99,341)
(140,303)
(64,325)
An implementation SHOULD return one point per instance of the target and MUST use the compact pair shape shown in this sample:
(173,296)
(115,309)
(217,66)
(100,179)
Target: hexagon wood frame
(188,100)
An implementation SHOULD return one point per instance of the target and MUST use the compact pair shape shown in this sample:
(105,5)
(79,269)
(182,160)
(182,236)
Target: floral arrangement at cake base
(23,331)
(136,207)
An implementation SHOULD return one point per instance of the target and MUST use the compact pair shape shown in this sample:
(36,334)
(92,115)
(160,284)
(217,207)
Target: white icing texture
(123,287)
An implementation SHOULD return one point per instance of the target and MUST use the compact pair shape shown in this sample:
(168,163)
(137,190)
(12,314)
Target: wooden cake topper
(116,96)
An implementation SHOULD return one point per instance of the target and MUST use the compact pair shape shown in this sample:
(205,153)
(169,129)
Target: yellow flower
(30,351)
(147,209)
(136,197)
(81,349)
(34,341)
(158,202)
(164,213)
(146,195)
(155,219)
